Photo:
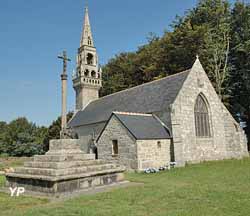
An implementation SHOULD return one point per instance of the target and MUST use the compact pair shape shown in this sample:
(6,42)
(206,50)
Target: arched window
(89,41)
(90,59)
(93,74)
(86,72)
(202,126)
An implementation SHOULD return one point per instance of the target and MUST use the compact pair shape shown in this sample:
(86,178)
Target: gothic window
(202,126)
(90,59)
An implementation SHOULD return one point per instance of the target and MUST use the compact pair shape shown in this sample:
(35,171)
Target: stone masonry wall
(85,134)
(126,145)
(235,137)
(152,154)
(85,95)
(188,147)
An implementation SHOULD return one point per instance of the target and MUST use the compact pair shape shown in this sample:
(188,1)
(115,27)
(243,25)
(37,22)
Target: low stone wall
(153,153)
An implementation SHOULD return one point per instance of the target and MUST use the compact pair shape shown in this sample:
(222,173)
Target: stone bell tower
(88,77)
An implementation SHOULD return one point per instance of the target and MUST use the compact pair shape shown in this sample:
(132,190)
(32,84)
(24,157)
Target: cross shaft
(64,77)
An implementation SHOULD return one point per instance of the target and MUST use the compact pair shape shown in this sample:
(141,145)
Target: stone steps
(61,165)
(60,172)
(49,172)
(95,168)
(64,169)
(63,157)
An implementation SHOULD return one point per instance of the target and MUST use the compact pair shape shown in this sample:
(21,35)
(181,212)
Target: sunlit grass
(212,188)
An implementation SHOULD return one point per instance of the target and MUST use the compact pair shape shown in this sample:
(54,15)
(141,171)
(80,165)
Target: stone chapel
(179,118)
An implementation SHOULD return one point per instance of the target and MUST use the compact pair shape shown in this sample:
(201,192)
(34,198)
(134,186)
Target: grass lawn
(212,188)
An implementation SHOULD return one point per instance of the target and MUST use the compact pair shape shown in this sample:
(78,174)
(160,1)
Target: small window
(89,41)
(159,144)
(114,147)
(236,127)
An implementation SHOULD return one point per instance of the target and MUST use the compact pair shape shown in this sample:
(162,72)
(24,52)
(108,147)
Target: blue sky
(33,33)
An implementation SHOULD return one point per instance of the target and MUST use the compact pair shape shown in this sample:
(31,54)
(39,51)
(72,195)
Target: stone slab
(66,177)
(64,157)
(64,186)
(62,165)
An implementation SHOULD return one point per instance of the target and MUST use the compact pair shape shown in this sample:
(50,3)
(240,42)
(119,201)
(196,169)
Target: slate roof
(142,126)
(146,98)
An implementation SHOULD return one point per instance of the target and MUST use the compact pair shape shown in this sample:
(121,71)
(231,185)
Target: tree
(208,24)
(20,139)
(240,61)
(3,126)
(217,45)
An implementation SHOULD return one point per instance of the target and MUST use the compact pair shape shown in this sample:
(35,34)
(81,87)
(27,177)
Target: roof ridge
(167,77)
(132,113)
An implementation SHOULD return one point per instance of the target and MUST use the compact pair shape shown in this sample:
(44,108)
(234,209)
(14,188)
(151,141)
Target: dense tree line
(216,31)
(23,138)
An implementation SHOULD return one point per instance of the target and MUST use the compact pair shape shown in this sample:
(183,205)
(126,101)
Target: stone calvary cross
(64,78)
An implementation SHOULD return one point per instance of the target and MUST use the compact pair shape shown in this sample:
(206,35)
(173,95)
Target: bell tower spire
(87,38)
(88,78)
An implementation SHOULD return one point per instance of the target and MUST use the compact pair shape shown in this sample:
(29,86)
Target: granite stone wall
(127,151)
(85,134)
(225,142)
(153,153)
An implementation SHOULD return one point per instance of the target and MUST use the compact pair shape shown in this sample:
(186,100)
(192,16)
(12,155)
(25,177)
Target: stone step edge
(67,177)
(65,169)
(99,162)
(62,158)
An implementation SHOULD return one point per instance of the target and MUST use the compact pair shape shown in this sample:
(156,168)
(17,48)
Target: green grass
(213,188)
(2,181)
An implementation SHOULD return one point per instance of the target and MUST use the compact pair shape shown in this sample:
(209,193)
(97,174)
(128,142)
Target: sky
(33,33)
